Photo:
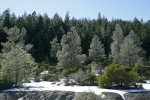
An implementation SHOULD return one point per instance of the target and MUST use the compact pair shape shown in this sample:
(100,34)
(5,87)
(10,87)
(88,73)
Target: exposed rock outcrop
(63,95)
(137,96)
(37,95)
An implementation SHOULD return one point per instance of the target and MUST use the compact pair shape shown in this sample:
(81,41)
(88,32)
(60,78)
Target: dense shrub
(69,70)
(37,79)
(53,77)
(40,67)
(52,69)
(143,71)
(83,78)
(118,75)
(104,81)
(49,77)
(79,77)
(45,77)
(91,79)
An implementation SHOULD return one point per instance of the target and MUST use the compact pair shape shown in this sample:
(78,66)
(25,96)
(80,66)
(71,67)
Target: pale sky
(124,9)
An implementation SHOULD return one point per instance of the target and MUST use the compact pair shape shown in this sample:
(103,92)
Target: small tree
(96,51)
(70,54)
(16,62)
(16,65)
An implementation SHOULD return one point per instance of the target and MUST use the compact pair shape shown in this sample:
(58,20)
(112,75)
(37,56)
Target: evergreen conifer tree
(131,51)
(96,51)
(16,62)
(70,54)
(117,41)
(55,47)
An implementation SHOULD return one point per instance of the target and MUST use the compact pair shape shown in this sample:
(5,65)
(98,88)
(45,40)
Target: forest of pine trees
(71,42)
(41,29)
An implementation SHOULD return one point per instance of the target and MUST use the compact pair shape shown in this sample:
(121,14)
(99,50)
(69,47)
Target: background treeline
(102,52)
(41,29)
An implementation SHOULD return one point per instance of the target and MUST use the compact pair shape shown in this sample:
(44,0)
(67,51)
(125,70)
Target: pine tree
(70,54)
(131,51)
(117,41)
(16,65)
(6,21)
(55,47)
(96,51)
(67,22)
(16,62)
(108,41)
(67,18)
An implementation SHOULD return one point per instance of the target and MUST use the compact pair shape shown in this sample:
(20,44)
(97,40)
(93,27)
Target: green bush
(45,77)
(104,81)
(117,75)
(37,79)
(54,77)
(87,96)
(52,69)
(91,79)
(49,77)
(40,67)
(143,71)
(69,70)
(83,78)
(79,77)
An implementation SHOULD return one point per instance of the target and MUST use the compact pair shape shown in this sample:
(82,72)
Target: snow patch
(59,86)
(44,72)
(146,86)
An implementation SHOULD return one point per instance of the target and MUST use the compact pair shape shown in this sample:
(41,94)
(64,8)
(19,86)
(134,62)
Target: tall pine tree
(131,51)
(117,41)
(16,62)
(70,54)
(55,47)
(96,51)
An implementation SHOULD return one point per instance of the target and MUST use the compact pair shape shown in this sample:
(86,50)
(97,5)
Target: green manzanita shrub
(118,75)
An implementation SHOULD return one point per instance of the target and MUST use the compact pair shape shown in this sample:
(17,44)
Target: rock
(67,95)
(137,96)
(112,96)
(37,95)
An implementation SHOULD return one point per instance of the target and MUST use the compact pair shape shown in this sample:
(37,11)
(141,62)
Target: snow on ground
(59,86)
(146,86)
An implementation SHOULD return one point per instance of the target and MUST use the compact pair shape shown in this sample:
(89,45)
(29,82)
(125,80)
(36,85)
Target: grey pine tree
(16,62)
(116,44)
(131,51)
(55,47)
(70,53)
(96,51)
(16,65)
